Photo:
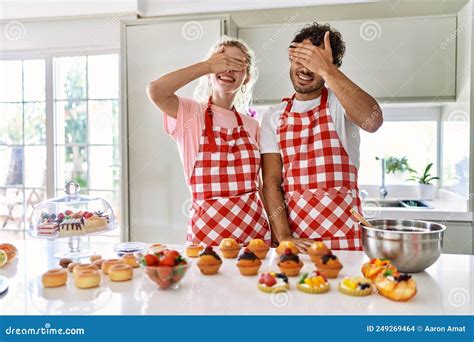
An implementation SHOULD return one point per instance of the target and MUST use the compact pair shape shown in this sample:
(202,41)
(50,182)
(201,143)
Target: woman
(218,146)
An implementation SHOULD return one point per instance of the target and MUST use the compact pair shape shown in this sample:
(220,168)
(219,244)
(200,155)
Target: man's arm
(360,107)
(274,201)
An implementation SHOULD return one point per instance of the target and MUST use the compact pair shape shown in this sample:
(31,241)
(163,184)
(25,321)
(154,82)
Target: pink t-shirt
(187,128)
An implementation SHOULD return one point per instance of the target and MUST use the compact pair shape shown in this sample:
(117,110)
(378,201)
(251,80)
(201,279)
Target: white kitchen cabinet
(458,238)
(394,59)
(154,188)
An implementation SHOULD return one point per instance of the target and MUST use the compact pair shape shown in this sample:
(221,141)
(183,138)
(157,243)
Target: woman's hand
(221,62)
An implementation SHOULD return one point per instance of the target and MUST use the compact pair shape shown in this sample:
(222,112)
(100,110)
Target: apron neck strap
(209,122)
(323,102)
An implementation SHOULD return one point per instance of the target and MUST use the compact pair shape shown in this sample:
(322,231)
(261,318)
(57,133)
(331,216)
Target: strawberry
(164,273)
(68,212)
(88,214)
(167,261)
(171,254)
(163,284)
(269,280)
(60,216)
(151,260)
(261,279)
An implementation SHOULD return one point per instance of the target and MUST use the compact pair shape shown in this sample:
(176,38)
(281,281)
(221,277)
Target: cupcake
(193,250)
(317,249)
(229,248)
(328,265)
(290,263)
(356,286)
(272,282)
(287,244)
(376,267)
(248,263)
(313,282)
(209,262)
(396,286)
(259,248)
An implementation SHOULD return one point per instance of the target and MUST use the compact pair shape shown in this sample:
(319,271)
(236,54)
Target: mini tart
(376,267)
(271,282)
(313,283)
(209,262)
(229,248)
(317,249)
(287,244)
(290,263)
(193,251)
(248,263)
(259,248)
(329,265)
(356,286)
(396,286)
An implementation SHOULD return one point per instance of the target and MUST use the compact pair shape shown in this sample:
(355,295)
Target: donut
(99,263)
(86,279)
(120,272)
(82,267)
(129,259)
(64,262)
(71,266)
(109,263)
(54,278)
(95,257)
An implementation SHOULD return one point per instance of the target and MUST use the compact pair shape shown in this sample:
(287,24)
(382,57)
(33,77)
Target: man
(310,146)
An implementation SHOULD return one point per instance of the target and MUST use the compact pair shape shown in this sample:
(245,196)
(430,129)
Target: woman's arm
(162,90)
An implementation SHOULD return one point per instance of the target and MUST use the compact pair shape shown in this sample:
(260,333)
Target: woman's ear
(247,79)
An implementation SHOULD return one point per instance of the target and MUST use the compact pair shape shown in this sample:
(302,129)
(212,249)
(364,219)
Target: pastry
(317,249)
(290,263)
(82,267)
(157,248)
(129,259)
(95,257)
(10,250)
(54,278)
(229,248)
(3,258)
(71,266)
(47,228)
(329,265)
(98,263)
(248,263)
(209,262)
(94,222)
(193,251)
(64,262)
(287,244)
(313,282)
(259,248)
(356,286)
(120,272)
(396,286)
(272,282)
(71,227)
(107,264)
(377,267)
(87,279)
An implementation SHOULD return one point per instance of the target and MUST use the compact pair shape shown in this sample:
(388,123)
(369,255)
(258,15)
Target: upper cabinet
(393,59)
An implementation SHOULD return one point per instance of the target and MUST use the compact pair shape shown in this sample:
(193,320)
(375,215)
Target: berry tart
(396,286)
(377,267)
(313,282)
(356,286)
(290,263)
(271,282)
(248,263)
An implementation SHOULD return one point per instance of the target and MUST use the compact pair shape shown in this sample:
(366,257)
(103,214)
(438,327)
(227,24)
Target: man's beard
(308,89)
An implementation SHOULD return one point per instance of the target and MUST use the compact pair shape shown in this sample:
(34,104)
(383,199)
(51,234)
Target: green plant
(424,178)
(395,164)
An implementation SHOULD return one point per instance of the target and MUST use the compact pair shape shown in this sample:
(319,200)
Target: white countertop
(445,288)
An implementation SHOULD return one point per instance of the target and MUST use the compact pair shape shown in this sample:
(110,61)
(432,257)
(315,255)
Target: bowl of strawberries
(165,268)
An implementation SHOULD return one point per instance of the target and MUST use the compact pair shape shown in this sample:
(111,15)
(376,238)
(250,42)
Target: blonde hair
(242,100)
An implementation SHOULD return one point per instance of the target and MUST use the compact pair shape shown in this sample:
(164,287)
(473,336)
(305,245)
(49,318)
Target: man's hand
(316,59)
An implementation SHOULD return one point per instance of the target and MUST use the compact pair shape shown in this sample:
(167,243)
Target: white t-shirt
(347,130)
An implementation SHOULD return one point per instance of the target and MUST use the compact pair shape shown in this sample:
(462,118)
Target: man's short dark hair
(315,33)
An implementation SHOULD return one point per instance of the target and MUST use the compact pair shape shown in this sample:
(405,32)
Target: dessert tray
(71,216)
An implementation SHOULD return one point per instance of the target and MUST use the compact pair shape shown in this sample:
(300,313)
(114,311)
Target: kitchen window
(72,100)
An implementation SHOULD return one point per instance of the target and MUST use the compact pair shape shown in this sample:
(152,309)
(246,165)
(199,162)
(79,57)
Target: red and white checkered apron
(224,187)
(319,181)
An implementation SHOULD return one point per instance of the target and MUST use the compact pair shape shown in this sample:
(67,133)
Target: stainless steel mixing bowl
(411,245)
